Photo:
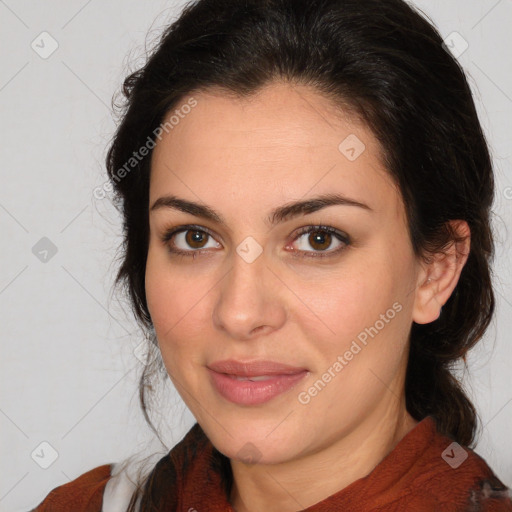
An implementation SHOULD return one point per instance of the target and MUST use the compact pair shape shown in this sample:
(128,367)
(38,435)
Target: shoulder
(128,475)
(110,487)
(84,494)
(457,478)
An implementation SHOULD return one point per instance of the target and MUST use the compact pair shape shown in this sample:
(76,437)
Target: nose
(250,301)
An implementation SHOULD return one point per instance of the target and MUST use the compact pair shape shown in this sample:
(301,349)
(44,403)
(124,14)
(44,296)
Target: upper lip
(254,368)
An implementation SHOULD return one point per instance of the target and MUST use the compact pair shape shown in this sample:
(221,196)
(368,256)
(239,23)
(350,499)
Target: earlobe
(440,276)
(427,307)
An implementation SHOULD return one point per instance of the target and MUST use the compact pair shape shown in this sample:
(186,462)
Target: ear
(437,279)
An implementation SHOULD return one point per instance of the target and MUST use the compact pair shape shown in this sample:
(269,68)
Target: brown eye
(189,241)
(324,240)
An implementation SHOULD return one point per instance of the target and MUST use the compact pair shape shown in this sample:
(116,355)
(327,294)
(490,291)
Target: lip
(253,368)
(225,377)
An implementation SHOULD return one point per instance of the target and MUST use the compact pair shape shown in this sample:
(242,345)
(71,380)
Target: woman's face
(335,306)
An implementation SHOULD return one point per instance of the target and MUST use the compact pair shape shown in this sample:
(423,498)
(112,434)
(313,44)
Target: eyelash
(168,235)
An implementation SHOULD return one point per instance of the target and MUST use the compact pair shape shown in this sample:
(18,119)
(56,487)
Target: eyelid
(170,232)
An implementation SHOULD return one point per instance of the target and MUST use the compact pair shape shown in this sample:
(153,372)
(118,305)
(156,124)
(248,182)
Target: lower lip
(246,392)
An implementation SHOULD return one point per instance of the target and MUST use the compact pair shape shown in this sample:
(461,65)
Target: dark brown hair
(385,62)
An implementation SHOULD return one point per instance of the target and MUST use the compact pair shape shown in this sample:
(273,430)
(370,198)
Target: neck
(286,487)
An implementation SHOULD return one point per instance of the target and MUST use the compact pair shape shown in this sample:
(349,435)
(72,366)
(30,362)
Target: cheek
(350,299)
(163,305)
(176,305)
(170,297)
(362,315)
(363,349)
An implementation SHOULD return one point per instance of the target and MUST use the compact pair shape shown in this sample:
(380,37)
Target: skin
(242,158)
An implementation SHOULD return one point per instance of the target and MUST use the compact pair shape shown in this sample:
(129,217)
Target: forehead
(278,144)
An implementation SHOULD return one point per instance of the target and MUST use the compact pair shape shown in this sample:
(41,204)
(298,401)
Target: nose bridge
(248,300)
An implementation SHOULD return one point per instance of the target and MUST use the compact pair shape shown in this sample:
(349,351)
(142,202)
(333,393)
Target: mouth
(253,383)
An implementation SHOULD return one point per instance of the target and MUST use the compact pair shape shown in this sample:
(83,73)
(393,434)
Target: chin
(253,442)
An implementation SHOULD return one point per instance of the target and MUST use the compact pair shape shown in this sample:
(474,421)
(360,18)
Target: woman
(306,192)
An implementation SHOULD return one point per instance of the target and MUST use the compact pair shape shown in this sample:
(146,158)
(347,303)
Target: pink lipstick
(255,382)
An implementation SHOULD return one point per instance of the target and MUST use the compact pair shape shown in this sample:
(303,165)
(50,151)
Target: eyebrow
(279,214)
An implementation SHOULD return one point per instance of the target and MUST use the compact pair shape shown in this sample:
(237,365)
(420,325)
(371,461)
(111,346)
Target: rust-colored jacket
(425,472)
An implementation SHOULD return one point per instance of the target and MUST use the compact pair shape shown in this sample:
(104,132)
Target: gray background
(68,368)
